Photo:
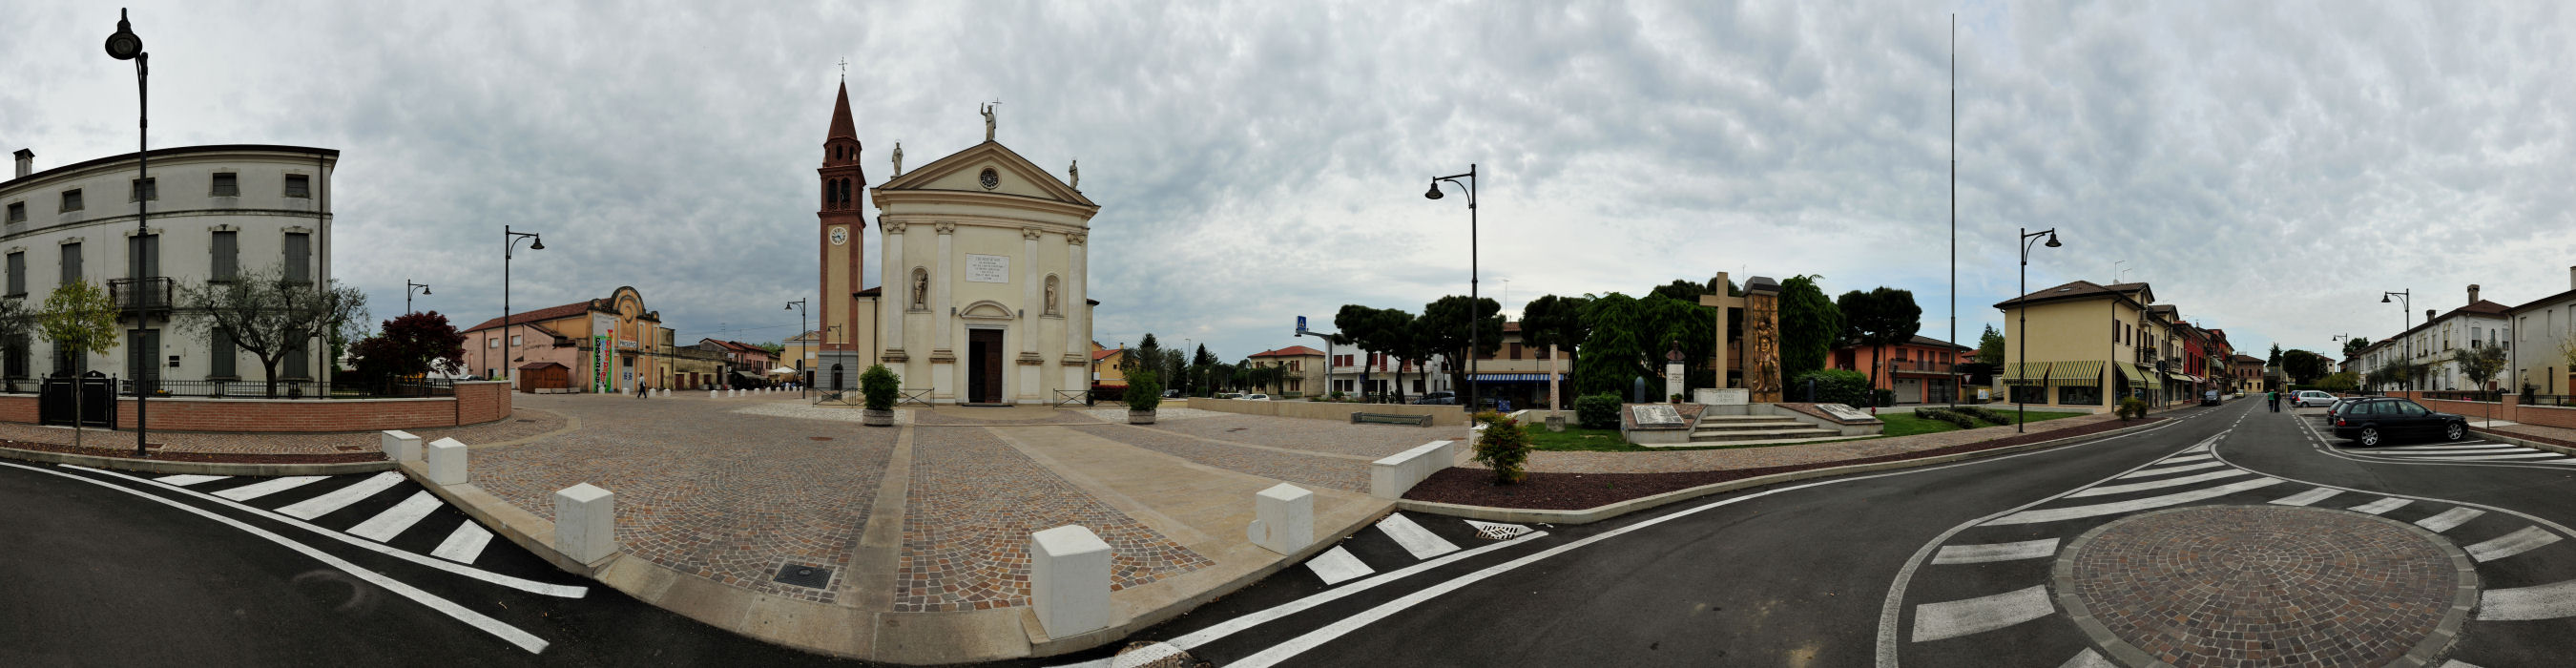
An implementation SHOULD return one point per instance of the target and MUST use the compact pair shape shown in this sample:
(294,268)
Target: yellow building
(1304,365)
(1108,365)
(799,352)
(2087,345)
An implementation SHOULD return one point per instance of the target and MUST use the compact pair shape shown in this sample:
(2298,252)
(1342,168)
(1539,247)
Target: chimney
(2473,294)
(2428,315)
(2571,278)
(26,163)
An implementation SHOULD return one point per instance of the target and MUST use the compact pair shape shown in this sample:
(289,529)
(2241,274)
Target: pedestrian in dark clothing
(643,390)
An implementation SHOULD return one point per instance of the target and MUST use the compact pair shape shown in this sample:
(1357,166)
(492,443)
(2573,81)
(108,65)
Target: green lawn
(1906,424)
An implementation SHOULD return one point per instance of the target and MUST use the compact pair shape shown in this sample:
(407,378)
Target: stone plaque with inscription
(1656,415)
(988,268)
(1845,412)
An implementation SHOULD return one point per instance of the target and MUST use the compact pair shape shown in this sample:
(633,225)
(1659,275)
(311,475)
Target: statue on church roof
(898,158)
(987,110)
(1075,171)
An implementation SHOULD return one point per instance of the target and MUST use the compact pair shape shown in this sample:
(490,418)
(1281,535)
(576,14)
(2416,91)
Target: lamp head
(2383,299)
(2052,240)
(1434,193)
(539,245)
(424,290)
(124,45)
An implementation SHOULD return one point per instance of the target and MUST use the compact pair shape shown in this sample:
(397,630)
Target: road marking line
(187,479)
(1418,541)
(260,489)
(2474,458)
(2447,451)
(2384,504)
(1976,554)
(521,584)
(342,497)
(2184,458)
(1951,619)
(2549,601)
(2169,470)
(2158,484)
(2308,497)
(2091,659)
(385,525)
(465,544)
(1228,627)
(523,639)
(2456,663)
(2130,506)
(2452,446)
(1337,565)
(2449,519)
(2511,544)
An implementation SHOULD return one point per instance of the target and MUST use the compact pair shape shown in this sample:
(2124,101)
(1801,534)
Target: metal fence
(2559,400)
(293,389)
(2464,395)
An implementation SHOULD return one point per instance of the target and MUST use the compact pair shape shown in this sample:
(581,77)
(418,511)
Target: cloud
(2270,167)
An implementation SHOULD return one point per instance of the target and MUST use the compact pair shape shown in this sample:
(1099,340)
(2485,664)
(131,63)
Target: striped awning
(2025,373)
(2079,373)
(2134,374)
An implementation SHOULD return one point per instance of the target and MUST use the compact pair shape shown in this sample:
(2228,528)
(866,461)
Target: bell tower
(842,220)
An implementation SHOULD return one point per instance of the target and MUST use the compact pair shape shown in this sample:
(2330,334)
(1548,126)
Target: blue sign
(1301,324)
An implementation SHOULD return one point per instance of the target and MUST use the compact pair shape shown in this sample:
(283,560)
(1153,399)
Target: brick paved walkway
(974,501)
(1309,470)
(2263,586)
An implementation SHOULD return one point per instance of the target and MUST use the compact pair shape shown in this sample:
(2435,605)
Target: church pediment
(986,310)
(987,168)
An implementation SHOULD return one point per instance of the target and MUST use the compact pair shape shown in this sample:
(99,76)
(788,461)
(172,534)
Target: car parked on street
(2375,421)
(2313,399)
(1256,397)
(1443,398)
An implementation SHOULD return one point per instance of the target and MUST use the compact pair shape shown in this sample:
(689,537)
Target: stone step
(1736,426)
(1742,418)
(1762,435)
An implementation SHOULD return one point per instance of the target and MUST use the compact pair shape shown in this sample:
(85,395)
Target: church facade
(983,274)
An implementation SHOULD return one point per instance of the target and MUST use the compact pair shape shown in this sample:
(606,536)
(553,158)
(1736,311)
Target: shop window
(2079,396)
(2029,394)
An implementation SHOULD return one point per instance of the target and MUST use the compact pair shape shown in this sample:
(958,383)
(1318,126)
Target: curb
(196,468)
(2525,441)
(1607,511)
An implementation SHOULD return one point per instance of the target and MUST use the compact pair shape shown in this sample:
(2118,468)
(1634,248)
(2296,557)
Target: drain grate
(800,575)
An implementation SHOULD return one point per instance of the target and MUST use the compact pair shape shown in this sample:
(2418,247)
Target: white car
(1256,397)
(2312,398)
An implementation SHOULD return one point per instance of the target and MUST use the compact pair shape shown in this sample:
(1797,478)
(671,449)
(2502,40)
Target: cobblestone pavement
(704,489)
(521,424)
(1119,415)
(1370,440)
(2264,586)
(1334,472)
(807,411)
(1014,415)
(1781,455)
(973,503)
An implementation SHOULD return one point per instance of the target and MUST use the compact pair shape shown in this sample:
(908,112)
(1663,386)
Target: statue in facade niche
(1050,301)
(920,290)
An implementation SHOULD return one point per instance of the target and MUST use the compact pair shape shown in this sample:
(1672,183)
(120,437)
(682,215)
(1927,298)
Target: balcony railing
(150,294)
(1920,366)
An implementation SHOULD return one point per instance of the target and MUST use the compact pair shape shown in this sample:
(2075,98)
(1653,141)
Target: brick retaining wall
(475,402)
(2510,409)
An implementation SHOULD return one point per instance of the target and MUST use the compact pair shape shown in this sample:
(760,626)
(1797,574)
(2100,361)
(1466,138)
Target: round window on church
(991,178)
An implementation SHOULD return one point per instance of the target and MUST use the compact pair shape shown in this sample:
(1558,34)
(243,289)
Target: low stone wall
(1441,416)
(476,402)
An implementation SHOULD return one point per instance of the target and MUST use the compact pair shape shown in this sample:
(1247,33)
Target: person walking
(643,389)
(2274,399)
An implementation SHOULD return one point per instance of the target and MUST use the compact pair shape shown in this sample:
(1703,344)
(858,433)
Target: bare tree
(268,316)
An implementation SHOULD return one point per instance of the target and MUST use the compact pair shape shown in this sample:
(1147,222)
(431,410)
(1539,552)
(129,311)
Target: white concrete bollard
(711,394)
(446,459)
(585,522)
(1284,519)
(400,446)
(1069,580)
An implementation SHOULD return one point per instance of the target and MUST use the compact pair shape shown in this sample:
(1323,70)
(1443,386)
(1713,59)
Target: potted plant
(1144,392)
(877,388)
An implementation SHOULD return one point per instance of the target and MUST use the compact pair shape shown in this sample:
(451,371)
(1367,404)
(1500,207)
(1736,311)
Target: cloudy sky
(2270,167)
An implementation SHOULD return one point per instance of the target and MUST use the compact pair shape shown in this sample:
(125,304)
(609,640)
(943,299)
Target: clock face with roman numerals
(840,235)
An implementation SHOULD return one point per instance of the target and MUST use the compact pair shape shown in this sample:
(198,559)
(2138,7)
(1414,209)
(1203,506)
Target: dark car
(2374,421)
(2209,398)
(1439,398)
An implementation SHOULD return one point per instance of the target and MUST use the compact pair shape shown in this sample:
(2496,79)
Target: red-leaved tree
(410,345)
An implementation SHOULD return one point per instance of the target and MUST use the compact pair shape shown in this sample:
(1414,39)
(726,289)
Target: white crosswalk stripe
(2308,497)
(1337,565)
(2549,601)
(273,486)
(2170,470)
(1951,619)
(465,544)
(1977,554)
(2449,519)
(2092,659)
(2526,540)
(2481,458)
(2177,459)
(384,526)
(342,497)
(2160,484)
(2381,506)
(184,480)
(2463,450)
(2454,446)
(2130,506)
(1418,541)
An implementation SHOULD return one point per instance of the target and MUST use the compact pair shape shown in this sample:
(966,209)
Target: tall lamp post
(410,287)
(801,380)
(1474,304)
(510,246)
(125,45)
(2027,237)
(2406,320)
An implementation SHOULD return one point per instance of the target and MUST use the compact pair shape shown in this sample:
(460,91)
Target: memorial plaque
(988,268)
(1844,412)
(1655,415)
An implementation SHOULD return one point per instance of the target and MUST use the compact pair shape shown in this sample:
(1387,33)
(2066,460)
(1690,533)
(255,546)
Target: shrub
(878,386)
(1503,448)
(2132,407)
(1833,386)
(1144,391)
(1599,411)
(1960,419)
(1987,414)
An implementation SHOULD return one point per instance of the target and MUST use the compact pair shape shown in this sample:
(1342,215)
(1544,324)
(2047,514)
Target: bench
(1389,478)
(1390,418)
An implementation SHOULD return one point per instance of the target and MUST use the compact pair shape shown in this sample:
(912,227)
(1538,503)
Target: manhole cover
(1236,429)
(819,438)
(527,420)
(804,576)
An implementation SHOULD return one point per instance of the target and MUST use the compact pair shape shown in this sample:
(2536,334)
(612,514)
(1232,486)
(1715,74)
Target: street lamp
(801,352)
(2027,237)
(2406,320)
(1474,304)
(408,287)
(509,246)
(125,45)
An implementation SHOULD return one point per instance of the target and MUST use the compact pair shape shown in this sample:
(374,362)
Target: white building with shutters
(214,210)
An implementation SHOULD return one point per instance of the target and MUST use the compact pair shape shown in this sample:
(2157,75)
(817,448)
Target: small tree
(268,316)
(17,322)
(1809,325)
(2481,364)
(1144,390)
(878,386)
(1503,448)
(78,319)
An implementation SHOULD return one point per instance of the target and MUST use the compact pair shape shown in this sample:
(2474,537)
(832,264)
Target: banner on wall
(599,364)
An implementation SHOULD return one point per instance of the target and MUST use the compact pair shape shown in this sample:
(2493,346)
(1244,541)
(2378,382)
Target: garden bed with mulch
(157,454)
(1580,491)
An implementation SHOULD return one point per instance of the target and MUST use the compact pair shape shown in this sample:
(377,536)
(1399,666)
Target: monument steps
(1732,435)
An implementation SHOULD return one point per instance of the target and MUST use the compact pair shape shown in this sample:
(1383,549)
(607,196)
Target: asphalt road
(1836,572)
(105,569)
